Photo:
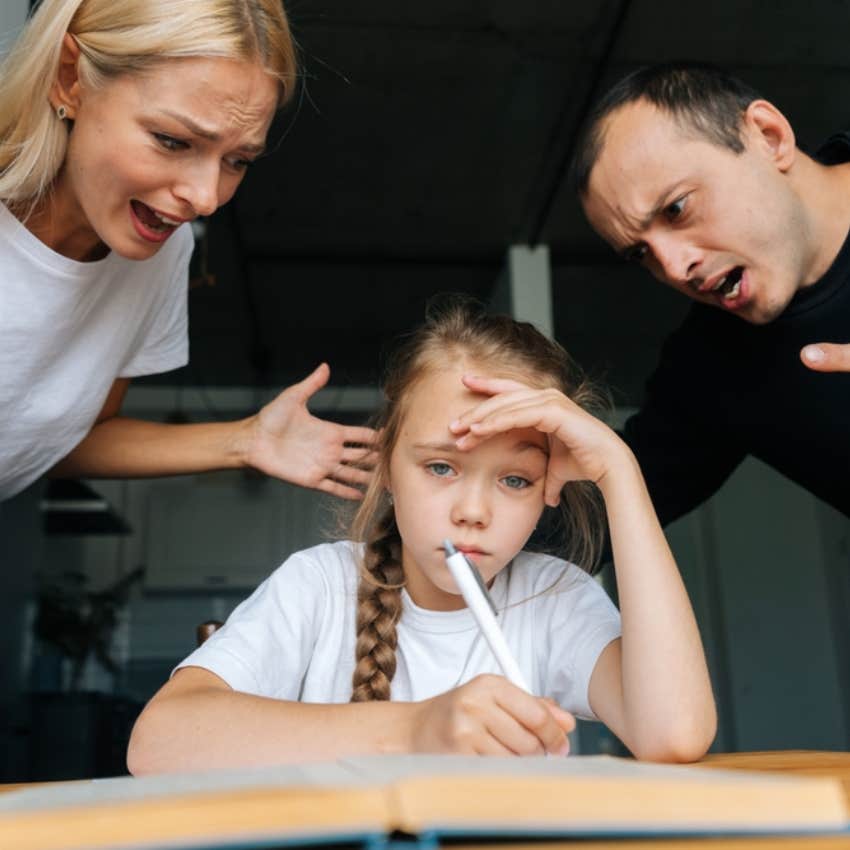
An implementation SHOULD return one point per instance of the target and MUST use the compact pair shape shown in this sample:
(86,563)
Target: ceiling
(427,138)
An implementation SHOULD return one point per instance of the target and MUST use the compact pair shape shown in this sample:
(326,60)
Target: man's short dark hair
(701,98)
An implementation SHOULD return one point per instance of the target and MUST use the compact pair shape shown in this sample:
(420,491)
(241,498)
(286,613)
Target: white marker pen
(474,593)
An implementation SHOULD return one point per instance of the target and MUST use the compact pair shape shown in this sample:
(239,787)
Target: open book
(364,800)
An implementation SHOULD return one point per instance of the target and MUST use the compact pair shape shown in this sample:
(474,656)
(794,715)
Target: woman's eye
(516,482)
(441,470)
(169,142)
(241,164)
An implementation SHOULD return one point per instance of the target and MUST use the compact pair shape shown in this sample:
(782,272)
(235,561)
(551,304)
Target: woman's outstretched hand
(490,716)
(286,441)
(581,447)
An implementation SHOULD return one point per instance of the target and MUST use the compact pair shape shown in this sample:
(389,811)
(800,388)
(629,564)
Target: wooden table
(800,762)
(807,763)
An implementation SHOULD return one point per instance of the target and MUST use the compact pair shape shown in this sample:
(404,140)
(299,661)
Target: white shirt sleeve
(266,645)
(165,345)
(583,622)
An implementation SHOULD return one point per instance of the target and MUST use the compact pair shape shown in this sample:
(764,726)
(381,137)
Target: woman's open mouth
(152,225)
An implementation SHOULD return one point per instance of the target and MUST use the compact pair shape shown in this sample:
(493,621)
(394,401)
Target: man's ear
(65,90)
(769,131)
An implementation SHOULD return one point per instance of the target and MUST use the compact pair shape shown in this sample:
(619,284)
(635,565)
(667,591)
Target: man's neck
(825,193)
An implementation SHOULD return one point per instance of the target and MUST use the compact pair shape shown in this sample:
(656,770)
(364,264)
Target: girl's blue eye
(516,482)
(441,470)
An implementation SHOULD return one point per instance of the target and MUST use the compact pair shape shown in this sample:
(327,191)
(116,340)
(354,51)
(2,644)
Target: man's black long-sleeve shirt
(725,389)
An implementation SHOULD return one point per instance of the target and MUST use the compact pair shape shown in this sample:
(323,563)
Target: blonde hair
(455,331)
(118,37)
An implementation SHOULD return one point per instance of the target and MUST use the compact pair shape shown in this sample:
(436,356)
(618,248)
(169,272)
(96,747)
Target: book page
(455,795)
(129,788)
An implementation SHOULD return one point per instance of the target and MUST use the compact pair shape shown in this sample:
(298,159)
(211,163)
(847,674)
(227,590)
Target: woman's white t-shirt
(294,638)
(68,330)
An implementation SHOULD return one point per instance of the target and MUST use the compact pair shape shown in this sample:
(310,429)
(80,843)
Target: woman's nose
(198,187)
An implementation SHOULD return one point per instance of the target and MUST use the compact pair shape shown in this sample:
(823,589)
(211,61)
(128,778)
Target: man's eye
(635,254)
(516,482)
(169,142)
(675,210)
(441,470)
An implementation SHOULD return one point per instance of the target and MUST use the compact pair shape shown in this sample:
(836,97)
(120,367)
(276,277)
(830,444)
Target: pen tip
(450,549)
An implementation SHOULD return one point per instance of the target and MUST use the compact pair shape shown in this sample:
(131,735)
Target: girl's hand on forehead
(581,447)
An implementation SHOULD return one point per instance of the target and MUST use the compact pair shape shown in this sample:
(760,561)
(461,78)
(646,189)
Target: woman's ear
(65,91)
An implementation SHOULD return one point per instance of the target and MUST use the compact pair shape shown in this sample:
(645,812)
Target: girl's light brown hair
(118,37)
(456,330)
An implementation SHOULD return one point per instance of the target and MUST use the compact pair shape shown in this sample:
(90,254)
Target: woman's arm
(197,722)
(651,687)
(283,440)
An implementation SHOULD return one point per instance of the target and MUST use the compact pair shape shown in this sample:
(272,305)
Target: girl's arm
(197,722)
(651,686)
(283,440)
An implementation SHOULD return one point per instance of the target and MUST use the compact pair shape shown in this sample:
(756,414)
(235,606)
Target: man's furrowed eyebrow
(663,200)
(641,224)
(211,135)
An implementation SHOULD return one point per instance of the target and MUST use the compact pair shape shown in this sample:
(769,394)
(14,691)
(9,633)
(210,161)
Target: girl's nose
(471,506)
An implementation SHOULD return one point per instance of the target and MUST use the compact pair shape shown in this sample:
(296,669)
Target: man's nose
(678,261)
(471,505)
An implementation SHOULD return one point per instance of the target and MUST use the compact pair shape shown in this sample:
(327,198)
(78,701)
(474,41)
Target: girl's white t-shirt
(294,638)
(68,330)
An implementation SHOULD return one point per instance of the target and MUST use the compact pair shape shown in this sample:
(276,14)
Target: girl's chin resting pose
(366,646)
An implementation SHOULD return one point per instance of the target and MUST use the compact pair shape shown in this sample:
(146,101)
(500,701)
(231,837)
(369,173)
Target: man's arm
(683,463)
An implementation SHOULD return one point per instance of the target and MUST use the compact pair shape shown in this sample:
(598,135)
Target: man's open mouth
(729,286)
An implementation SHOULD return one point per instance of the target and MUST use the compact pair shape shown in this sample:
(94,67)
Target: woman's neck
(59,222)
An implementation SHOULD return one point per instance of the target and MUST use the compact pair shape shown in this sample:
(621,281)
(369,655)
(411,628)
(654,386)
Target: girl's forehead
(440,397)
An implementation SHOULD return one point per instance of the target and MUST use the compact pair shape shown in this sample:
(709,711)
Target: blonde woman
(120,122)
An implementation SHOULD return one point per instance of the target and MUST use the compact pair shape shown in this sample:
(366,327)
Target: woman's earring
(61,112)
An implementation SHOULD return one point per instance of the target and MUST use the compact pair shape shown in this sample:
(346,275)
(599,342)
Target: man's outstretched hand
(827,357)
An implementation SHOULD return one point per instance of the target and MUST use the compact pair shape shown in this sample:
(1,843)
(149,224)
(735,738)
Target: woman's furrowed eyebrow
(208,134)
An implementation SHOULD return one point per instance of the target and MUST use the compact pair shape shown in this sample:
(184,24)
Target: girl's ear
(65,91)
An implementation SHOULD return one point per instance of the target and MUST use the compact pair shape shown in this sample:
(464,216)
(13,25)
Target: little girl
(365,646)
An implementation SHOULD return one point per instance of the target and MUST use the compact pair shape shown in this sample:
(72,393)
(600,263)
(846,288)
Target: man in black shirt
(695,176)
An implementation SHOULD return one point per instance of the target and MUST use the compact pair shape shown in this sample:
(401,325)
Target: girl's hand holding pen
(490,716)
(581,447)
